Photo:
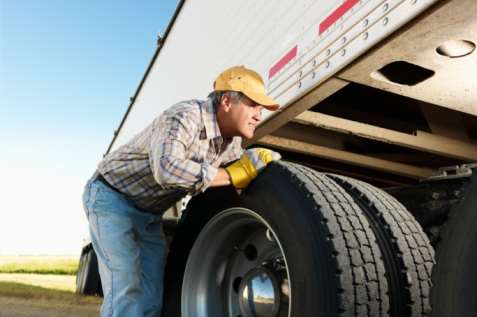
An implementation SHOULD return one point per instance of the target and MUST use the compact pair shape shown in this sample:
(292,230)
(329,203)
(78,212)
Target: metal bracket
(450,172)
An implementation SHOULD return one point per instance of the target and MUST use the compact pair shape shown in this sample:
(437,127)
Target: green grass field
(31,292)
(64,265)
(50,281)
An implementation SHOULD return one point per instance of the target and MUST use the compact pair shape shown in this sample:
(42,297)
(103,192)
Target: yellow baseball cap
(246,81)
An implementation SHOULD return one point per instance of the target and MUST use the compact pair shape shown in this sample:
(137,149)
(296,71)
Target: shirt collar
(209,118)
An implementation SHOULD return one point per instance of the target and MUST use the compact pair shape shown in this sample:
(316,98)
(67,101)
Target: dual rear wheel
(295,243)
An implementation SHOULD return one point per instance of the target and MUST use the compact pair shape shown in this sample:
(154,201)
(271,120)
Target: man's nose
(258,113)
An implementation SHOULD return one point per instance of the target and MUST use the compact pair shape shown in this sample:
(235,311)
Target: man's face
(241,118)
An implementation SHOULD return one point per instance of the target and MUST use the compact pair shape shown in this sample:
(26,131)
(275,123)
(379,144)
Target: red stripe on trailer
(282,62)
(338,13)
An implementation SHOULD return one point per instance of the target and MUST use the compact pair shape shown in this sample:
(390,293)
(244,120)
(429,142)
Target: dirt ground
(40,295)
(21,307)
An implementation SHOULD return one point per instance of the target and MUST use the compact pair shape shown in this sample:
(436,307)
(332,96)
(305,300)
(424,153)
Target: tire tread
(413,253)
(355,249)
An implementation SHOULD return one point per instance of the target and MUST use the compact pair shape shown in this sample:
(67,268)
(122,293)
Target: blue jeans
(131,250)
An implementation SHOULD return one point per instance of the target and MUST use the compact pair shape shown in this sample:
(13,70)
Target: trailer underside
(396,115)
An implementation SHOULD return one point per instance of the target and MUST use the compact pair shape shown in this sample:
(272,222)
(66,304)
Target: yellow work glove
(243,171)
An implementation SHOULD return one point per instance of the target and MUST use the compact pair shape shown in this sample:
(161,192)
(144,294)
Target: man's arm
(172,138)
(222,178)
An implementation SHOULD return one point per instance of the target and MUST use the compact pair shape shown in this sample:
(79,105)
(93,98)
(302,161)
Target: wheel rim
(236,268)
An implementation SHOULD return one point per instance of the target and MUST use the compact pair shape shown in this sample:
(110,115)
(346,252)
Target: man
(179,153)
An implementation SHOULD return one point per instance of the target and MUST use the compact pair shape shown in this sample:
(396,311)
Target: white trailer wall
(294,45)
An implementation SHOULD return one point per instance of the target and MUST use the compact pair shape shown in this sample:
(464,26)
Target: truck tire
(87,279)
(407,253)
(292,244)
(455,274)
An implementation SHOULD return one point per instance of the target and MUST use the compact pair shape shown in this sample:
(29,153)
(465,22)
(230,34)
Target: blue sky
(67,70)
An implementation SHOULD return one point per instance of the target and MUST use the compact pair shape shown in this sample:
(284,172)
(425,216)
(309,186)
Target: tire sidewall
(308,255)
(455,274)
(296,221)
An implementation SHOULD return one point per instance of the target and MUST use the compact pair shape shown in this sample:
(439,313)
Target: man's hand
(250,164)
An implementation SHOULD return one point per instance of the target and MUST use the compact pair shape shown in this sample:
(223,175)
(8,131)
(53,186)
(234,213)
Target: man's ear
(225,102)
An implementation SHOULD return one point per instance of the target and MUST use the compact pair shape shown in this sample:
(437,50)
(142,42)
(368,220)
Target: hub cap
(259,294)
(236,267)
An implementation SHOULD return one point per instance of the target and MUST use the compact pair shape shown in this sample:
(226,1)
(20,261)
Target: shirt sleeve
(170,141)
(234,151)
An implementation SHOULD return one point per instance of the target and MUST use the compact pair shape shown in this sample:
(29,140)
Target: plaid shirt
(177,154)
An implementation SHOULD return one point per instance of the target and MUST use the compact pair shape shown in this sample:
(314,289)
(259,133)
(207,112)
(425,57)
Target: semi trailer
(373,209)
